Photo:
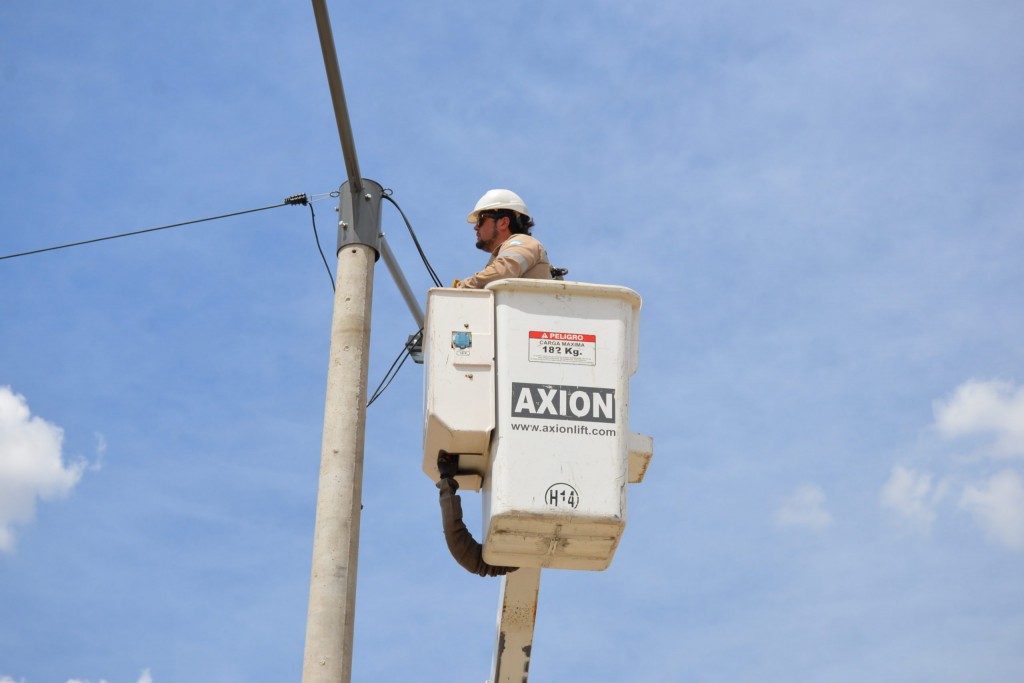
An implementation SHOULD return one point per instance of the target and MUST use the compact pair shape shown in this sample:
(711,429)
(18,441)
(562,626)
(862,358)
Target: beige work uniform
(518,256)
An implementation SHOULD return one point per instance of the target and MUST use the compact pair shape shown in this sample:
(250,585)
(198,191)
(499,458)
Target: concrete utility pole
(332,590)
(332,587)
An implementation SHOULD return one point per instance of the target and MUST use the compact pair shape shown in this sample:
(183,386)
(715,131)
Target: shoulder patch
(514,243)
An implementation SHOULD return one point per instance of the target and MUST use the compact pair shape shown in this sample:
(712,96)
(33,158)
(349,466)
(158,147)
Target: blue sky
(822,205)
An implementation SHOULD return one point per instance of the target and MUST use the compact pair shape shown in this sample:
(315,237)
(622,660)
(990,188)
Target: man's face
(487,233)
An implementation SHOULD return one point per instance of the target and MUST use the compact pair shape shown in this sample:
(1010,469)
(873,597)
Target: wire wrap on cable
(461,544)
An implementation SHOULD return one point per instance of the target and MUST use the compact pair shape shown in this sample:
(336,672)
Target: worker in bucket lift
(502,224)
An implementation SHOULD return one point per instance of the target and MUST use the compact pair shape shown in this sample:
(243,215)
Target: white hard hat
(499,199)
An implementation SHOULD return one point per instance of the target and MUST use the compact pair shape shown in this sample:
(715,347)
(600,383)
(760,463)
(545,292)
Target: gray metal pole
(332,589)
(400,281)
(348,145)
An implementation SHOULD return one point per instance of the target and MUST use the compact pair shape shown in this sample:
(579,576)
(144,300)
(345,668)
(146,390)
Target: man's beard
(487,244)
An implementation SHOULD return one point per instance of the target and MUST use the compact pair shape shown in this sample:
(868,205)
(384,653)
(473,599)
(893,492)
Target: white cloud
(30,464)
(993,413)
(144,677)
(101,450)
(8,679)
(992,408)
(998,508)
(912,496)
(804,508)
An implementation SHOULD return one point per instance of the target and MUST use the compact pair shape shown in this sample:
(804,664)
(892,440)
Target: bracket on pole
(360,214)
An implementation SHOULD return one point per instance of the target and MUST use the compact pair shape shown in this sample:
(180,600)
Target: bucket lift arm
(516,618)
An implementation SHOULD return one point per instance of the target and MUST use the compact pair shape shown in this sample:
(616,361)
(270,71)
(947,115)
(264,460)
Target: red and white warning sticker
(563,347)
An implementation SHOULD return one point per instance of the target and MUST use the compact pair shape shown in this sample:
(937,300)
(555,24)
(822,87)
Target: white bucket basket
(542,424)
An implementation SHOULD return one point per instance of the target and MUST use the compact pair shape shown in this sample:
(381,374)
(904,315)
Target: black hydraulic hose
(461,544)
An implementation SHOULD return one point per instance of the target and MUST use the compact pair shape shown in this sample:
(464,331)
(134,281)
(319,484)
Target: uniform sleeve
(512,261)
